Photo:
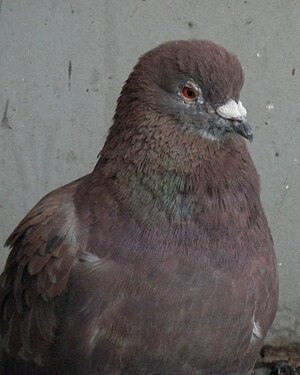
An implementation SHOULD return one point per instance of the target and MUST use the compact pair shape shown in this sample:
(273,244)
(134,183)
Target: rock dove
(160,261)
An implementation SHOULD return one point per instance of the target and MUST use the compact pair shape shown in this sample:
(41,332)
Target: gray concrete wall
(63,62)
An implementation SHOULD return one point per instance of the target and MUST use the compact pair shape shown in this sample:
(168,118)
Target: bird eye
(189,93)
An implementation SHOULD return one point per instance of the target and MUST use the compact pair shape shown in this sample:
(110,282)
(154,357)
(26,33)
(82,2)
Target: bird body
(160,261)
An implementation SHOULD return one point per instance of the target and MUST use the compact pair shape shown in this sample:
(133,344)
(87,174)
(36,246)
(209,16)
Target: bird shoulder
(43,252)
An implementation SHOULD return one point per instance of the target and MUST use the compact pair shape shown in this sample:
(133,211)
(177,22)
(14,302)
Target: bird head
(195,83)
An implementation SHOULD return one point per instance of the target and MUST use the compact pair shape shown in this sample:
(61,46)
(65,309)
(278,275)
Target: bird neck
(181,178)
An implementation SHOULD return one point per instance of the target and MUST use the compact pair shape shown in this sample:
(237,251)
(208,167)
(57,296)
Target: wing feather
(36,274)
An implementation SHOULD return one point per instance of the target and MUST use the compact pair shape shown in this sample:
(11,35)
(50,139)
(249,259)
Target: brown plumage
(160,261)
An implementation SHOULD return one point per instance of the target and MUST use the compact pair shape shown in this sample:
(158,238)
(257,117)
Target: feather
(160,261)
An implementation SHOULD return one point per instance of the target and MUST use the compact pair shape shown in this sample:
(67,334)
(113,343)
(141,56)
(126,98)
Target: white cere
(242,109)
(232,110)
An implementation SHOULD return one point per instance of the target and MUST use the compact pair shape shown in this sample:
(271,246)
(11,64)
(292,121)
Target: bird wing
(37,271)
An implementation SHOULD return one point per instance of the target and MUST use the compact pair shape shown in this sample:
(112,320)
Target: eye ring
(190,92)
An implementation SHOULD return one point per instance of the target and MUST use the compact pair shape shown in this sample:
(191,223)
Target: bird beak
(243,128)
(236,113)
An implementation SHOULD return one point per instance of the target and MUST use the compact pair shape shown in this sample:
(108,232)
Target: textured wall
(63,62)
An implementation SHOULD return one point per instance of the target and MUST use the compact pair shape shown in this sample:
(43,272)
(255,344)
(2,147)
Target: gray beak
(236,114)
(243,128)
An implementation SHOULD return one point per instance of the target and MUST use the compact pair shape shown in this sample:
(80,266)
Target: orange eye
(189,93)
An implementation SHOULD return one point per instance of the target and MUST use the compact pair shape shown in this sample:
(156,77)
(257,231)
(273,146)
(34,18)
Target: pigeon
(160,261)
